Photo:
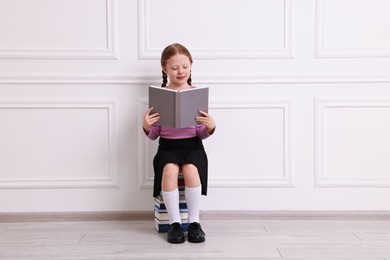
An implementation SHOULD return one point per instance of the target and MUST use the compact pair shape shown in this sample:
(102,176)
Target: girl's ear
(164,70)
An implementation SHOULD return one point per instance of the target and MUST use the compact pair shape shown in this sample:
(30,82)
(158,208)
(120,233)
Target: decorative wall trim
(292,79)
(146,174)
(320,177)
(147,53)
(112,179)
(205,215)
(323,52)
(145,177)
(106,54)
(200,79)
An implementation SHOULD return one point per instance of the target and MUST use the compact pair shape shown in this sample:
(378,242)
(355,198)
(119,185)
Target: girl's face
(178,69)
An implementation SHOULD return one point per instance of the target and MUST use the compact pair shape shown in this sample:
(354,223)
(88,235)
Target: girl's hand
(150,119)
(207,120)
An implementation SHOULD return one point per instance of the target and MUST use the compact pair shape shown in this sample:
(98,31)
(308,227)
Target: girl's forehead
(178,58)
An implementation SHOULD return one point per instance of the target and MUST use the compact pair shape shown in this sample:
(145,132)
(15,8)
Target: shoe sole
(176,241)
(196,240)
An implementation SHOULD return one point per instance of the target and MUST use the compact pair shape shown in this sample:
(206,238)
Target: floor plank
(263,239)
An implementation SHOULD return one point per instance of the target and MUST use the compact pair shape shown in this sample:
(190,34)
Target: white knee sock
(171,200)
(193,196)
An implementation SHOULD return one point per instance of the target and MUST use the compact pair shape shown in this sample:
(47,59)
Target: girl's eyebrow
(184,65)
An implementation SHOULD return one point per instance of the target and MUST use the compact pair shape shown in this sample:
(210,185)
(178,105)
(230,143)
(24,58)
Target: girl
(180,150)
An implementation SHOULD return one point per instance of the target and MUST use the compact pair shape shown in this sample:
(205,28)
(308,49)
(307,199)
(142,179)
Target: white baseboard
(206,215)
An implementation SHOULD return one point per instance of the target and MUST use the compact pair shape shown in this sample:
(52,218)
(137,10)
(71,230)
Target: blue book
(159,202)
(163,214)
(162,226)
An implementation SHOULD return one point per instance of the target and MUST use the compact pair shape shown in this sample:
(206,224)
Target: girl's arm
(153,133)
(208,122)
(151,130)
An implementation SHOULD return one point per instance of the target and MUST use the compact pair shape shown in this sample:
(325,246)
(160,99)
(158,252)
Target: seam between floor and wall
(207,215)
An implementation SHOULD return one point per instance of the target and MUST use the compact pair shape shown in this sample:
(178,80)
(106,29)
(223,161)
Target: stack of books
(160,212)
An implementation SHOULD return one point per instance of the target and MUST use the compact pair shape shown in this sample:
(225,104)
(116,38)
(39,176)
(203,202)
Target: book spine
(163,226)
(164,215)
(178,110)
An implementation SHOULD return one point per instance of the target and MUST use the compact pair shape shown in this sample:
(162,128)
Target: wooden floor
(266,239)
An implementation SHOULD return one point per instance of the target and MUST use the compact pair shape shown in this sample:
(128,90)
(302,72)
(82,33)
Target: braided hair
(170,51)
(165,79)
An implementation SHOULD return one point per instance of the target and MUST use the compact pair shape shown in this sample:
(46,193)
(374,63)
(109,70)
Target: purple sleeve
(201,131)
(154,132)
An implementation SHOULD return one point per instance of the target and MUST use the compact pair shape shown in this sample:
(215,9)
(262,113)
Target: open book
(178,109)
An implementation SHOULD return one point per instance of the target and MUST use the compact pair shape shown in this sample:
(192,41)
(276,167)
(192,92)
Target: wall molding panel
(200,79)
(283,179)
(145,172)
(351,138)
(107,178)
(72,52)
(328,25)
(152,50)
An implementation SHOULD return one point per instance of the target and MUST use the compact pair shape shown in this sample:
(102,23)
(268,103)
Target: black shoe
(195,233)
(175,233)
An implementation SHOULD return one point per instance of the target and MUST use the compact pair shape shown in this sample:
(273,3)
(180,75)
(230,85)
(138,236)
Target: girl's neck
(177,88)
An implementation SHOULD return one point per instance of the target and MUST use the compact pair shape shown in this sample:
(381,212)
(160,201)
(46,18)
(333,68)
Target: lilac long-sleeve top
(178,133)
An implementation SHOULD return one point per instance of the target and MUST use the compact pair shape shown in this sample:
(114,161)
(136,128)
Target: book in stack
(160,212)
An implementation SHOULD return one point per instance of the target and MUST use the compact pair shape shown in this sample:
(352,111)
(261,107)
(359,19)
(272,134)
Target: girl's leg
(192,191)
(170,192)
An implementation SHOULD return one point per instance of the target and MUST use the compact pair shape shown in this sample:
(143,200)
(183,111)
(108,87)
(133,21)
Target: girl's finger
(203,113)
(148,111)
(154,115)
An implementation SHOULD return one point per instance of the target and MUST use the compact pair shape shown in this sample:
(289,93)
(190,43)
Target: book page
(163,102)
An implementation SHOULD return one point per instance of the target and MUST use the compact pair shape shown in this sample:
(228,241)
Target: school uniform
(179,146)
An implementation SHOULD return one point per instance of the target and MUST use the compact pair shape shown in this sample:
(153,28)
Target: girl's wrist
(211,131)
(146,129)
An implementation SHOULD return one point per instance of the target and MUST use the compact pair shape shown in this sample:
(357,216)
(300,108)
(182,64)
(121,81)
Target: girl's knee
(169,177)
(171,168)
(190,168)
(191,175)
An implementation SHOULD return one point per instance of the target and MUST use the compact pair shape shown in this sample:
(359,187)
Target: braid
(165,79)
(189,80)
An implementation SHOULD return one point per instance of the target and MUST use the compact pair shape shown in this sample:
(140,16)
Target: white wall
(300,91)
